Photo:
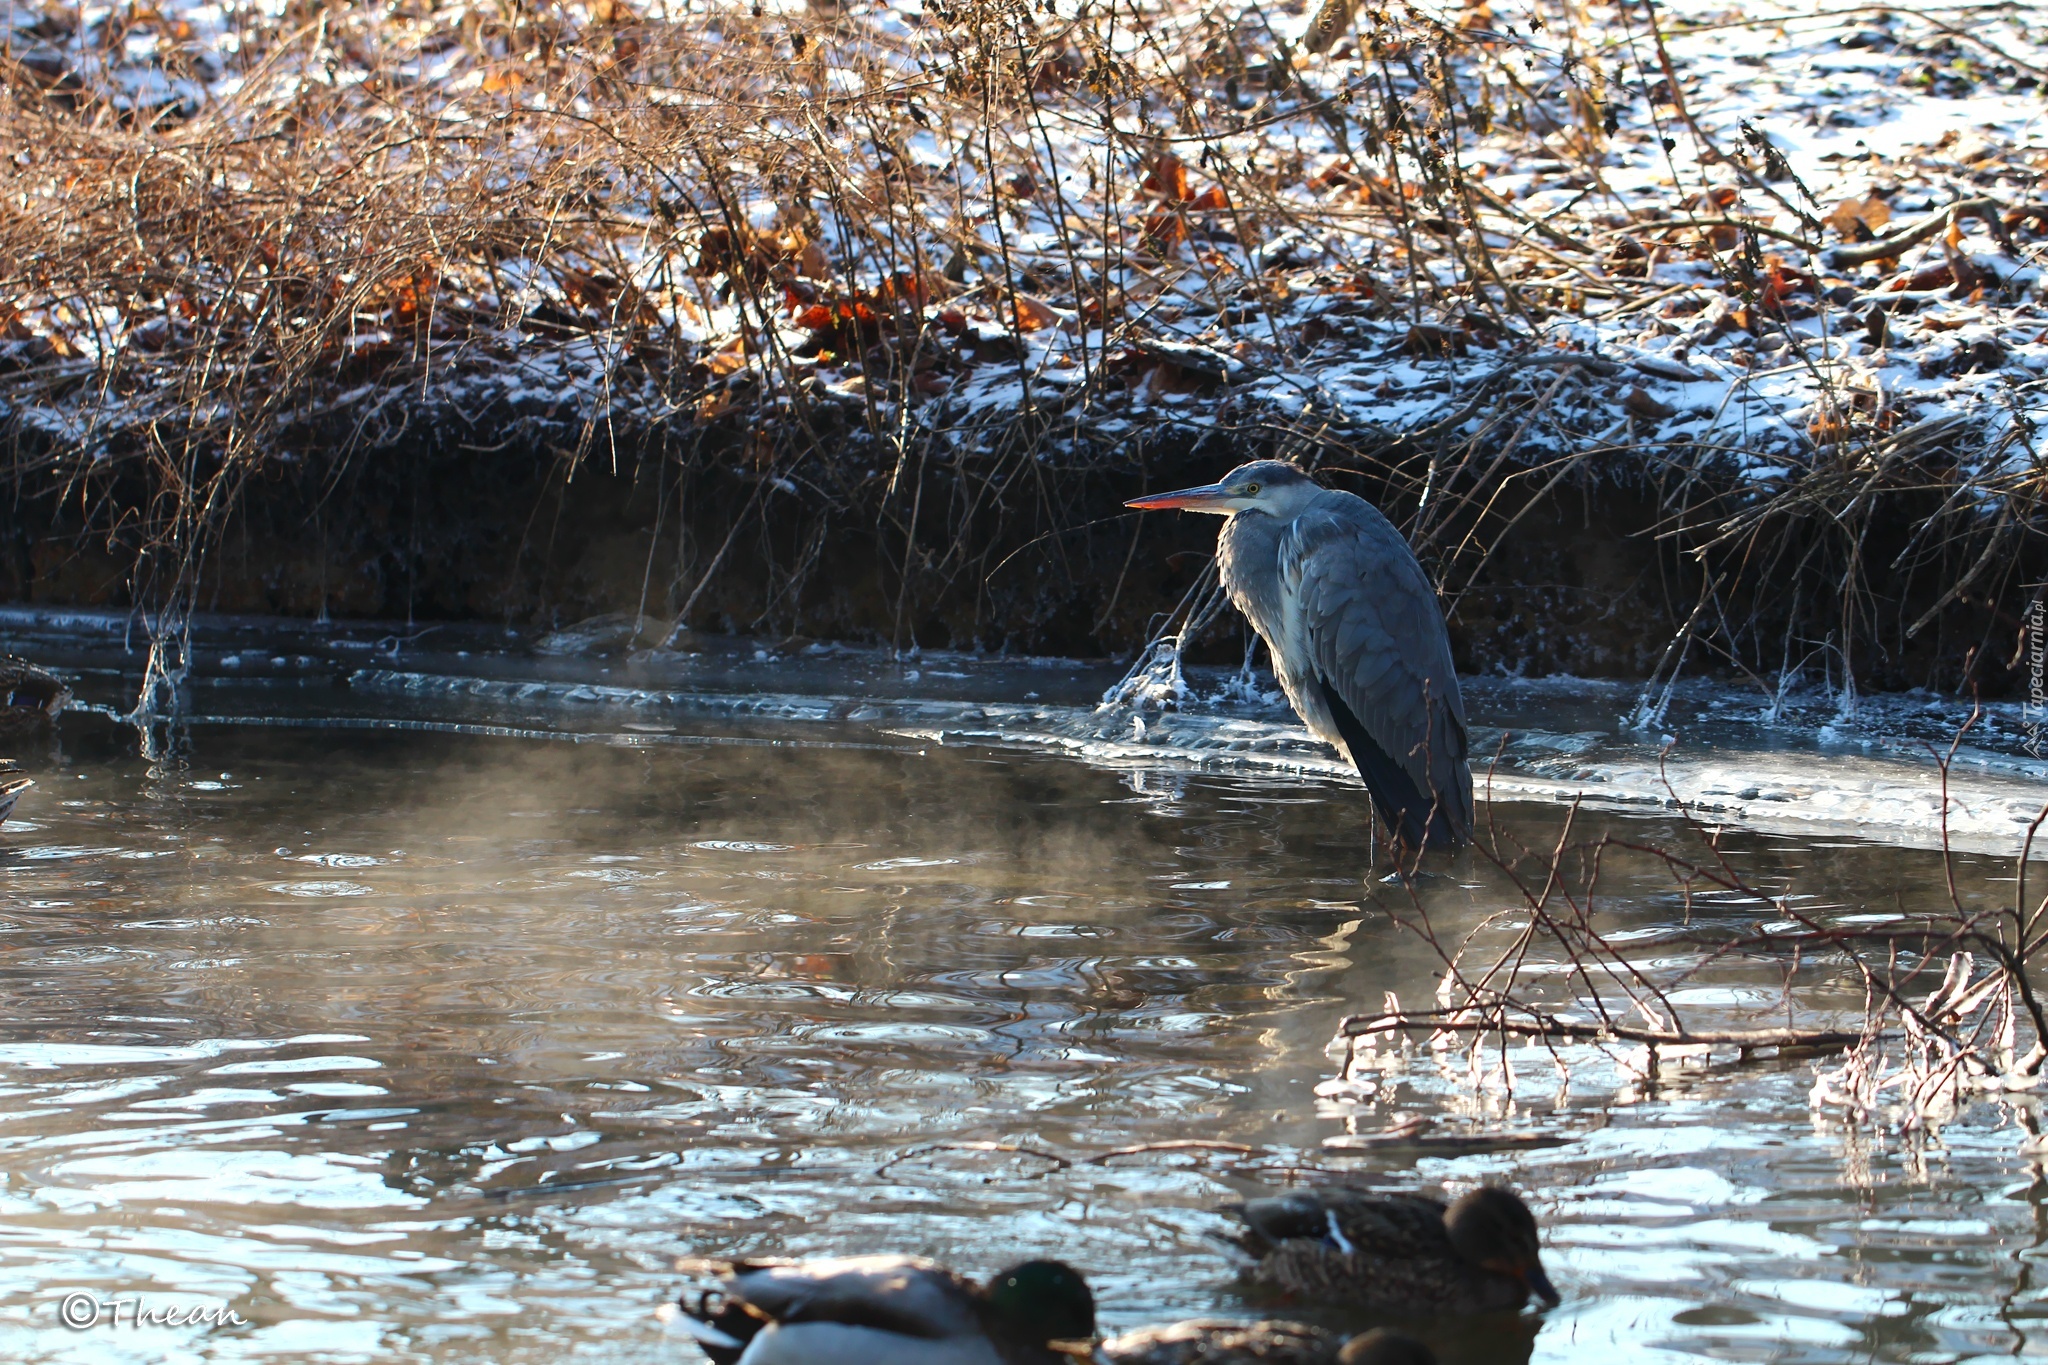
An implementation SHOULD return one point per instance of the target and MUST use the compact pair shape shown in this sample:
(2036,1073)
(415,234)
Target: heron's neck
(1248,557)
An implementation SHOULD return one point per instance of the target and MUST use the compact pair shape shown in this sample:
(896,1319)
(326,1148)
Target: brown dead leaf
(1641,403)
(1936,276)
(728,359)
(585,289)
(1433,342)
(1859,219)
(813,262)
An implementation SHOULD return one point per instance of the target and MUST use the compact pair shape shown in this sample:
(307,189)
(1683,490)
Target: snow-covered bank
(1770,267)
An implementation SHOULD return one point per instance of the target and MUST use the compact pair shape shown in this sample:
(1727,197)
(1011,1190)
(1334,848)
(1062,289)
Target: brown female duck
(1209,1342)
(1398,1253)
(29,695)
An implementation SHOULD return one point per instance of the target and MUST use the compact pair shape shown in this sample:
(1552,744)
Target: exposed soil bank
(1016,553)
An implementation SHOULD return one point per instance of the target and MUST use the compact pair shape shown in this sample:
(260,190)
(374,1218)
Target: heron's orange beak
(1210,497)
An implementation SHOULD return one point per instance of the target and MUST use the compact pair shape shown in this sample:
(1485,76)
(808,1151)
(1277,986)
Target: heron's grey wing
(893,1293)
(1371,628)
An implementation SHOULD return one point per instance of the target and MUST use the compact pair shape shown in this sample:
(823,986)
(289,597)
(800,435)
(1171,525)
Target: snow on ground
(1632,219)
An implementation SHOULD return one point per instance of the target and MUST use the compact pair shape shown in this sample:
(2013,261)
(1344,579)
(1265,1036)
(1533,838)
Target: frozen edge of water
(1887,797)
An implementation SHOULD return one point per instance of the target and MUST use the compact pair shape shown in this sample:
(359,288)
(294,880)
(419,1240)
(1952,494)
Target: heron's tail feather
(1418,818)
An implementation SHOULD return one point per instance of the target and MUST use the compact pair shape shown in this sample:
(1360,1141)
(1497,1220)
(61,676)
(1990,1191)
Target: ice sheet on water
(1797,759)
(1885,785)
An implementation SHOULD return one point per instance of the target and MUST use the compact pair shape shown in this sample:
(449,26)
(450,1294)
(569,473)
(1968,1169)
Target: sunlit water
(426,1046)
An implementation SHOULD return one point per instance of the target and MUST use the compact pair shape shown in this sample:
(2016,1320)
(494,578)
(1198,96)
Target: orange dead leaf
(411,295)
(1164,229)
(1168,178)
(1210,200)
(1033,314)
(1828,427)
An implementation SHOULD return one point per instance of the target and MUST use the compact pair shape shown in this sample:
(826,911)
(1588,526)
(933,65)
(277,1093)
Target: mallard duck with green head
(890,1310)
(1397,1253)
(1205,1341)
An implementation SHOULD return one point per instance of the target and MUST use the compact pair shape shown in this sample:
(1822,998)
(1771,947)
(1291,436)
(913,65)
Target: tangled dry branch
(1949,1002)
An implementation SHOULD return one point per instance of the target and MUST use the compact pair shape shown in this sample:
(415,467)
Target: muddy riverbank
(1595,577)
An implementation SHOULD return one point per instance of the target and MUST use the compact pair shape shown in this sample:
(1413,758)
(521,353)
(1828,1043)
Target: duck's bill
(1079,1350)
(1540,1285)
(1208,497)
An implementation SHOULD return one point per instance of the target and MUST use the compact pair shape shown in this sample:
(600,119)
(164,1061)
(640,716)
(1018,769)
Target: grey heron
(1357,638)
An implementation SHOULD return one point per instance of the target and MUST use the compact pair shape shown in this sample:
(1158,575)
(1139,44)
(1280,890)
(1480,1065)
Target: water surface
(419,1046)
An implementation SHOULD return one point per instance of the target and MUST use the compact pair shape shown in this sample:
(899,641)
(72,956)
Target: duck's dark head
(1382,1347)
(1043,1301)
(26,688)
(1271,486)
(1493,1229)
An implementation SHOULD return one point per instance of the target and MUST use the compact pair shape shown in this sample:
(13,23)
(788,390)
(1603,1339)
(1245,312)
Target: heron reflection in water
(1357,638)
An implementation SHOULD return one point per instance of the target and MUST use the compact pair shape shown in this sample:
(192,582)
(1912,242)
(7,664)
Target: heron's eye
(1251,490)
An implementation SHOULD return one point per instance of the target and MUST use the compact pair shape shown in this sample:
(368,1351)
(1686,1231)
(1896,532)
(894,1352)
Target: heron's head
(1492,1228)
(1270,486)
